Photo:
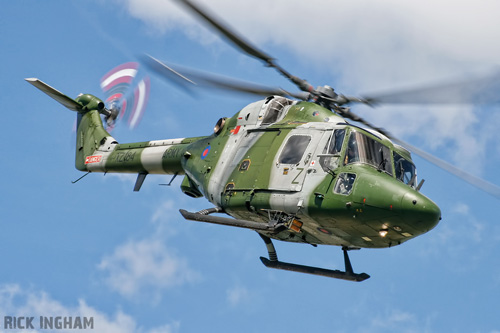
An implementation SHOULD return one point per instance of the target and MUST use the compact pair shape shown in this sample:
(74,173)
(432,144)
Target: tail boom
(98,151)
(151,157)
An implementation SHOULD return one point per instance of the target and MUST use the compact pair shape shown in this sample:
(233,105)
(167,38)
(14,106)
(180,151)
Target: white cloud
(165,211)
(237,295)
(16,301)
(144,265)
(454,237)
(125,177)
(370,46)
(169,328)
(461,208)
(351,30)
(465,226)
(147,266)
(396,321)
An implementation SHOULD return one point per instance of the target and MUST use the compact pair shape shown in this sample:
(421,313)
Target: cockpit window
(344,183)
(294,149)
(329,160)
(405,170)
(275,107)
(363,149)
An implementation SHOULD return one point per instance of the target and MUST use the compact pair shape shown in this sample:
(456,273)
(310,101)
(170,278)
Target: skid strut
(348,274)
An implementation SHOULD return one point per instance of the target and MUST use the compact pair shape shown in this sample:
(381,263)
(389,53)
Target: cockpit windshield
(405,170)
(363,149)
(329,160)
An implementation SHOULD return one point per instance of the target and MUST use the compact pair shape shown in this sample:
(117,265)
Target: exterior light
(296,225)
(383,232)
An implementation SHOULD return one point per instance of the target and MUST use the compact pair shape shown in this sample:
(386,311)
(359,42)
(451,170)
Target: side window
(405,170)
(294,149)
(331,153)
(344,183)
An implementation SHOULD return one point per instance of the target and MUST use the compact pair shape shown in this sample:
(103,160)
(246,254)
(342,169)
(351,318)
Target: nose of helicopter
(419,211)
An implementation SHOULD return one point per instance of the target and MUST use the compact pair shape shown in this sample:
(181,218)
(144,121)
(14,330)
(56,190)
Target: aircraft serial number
(124,157)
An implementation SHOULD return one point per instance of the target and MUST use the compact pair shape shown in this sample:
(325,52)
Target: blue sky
(128,259)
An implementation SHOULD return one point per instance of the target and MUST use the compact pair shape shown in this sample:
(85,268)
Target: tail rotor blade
(123,74)
(141,96)
(118,84)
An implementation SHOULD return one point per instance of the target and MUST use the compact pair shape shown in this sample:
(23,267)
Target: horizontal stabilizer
(55,94)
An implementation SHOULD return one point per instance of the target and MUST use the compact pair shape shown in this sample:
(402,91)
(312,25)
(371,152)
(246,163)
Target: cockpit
(363,149)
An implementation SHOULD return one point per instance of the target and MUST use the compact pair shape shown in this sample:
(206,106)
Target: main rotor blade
(55,94)
(221,27)
(189,78)
(167,72)
(475,181)
(244,45)
(484,90)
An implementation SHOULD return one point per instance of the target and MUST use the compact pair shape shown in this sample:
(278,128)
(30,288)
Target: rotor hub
(326,91)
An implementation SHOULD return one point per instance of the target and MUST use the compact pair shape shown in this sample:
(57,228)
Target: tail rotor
(125,93)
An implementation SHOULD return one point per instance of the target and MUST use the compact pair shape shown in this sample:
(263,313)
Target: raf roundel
(323,230)
(205,152)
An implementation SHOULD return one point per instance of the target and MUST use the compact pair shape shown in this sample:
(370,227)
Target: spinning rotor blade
(246,46)
(484,90)
(55,94)
(167,72)
(125,93)
(475,91)
(188,78)
(477,182)
(239,41)
(478,91)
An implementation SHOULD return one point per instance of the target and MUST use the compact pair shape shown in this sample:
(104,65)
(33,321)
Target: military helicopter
(292,166)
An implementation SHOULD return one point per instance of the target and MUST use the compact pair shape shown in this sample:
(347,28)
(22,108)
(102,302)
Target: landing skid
(348,274)
(273,262)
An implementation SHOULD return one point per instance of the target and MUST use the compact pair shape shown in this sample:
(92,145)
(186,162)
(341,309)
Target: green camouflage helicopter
(291,166)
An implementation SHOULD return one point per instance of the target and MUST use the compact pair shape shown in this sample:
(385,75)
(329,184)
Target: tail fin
(90,135)
(90,130)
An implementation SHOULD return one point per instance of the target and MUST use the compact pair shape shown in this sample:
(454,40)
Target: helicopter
(293,166)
